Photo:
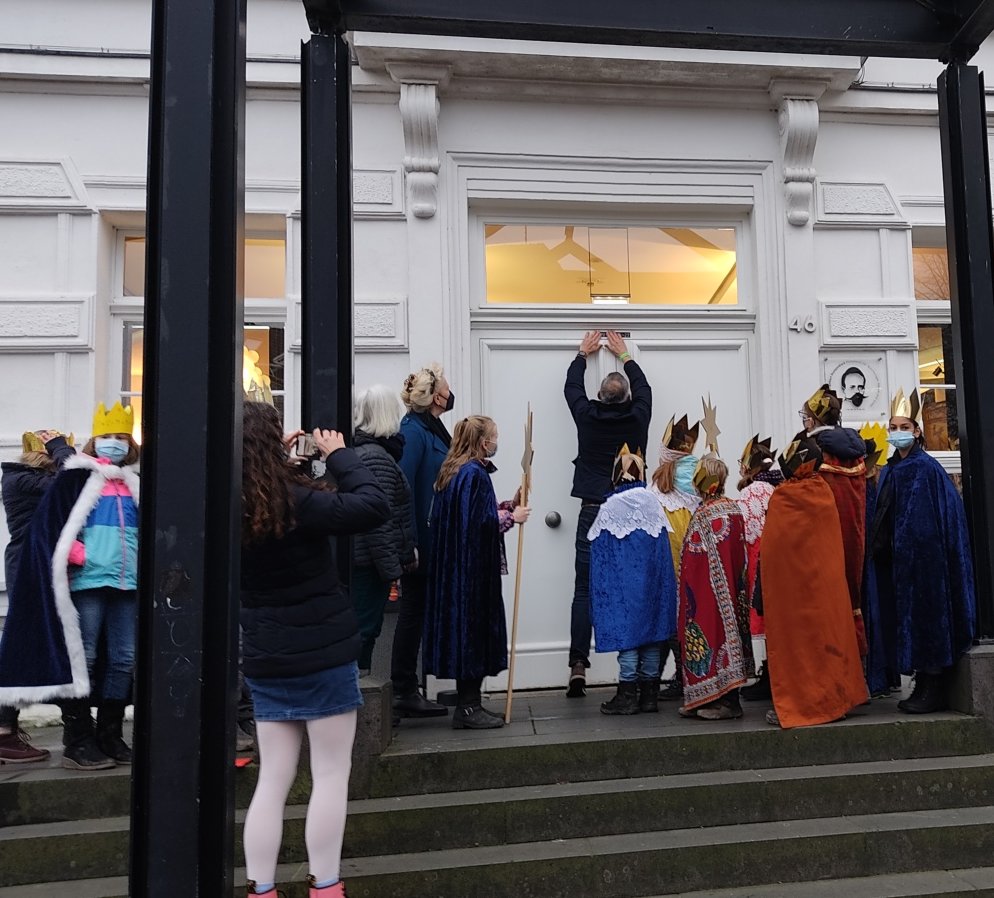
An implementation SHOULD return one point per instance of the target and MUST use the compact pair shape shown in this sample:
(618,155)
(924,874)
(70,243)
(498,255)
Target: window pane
(613,265)
(935,354)
(940,421)
(931,272)
(265,267)
(134,266)
(262,362)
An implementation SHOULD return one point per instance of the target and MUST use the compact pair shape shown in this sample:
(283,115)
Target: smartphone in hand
(306,447)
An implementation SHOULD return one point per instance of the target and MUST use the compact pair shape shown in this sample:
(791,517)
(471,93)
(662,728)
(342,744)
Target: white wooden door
(512,369)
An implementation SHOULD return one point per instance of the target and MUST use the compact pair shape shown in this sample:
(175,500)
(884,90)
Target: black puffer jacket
(22,487)
(390,546)
(296,617)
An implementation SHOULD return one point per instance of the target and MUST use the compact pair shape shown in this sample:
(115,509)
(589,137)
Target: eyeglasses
(805,416)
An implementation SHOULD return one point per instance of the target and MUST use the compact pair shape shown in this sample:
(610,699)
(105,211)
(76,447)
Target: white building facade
(757,224)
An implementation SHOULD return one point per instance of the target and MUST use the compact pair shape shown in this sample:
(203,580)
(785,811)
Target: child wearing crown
(815,671)
(632,585)
(714,602)
(76,591)
(923,563)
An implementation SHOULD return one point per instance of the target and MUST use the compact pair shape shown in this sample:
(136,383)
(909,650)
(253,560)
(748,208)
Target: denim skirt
(323,693)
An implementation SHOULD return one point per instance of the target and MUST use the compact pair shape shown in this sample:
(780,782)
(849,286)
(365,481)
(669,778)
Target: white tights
(331,760)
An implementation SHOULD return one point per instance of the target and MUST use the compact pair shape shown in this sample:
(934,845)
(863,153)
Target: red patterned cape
(714,604)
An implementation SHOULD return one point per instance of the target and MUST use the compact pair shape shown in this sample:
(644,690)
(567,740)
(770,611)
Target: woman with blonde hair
(382,555)
(465,628)
(428,396)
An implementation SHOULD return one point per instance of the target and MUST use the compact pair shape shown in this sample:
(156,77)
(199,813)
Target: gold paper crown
(31,442)
(755,451)
(628,467)
(118,420)
(906,406)
(799,459)
(706,484)
(877,434)
(822,402)
(680,436)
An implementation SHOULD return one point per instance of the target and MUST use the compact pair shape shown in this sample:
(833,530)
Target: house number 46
(807,326)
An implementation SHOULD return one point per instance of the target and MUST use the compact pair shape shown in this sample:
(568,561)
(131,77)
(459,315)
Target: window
(584,264)
(265,312)
(935,344)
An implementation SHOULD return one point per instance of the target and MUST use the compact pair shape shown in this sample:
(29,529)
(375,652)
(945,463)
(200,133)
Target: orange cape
(815,669)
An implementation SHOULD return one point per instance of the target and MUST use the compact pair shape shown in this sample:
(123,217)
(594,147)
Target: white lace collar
(628,511)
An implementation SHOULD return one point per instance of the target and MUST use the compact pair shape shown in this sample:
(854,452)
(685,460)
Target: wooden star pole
(526,482)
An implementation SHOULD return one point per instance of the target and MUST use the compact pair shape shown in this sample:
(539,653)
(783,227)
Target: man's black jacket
(602,428)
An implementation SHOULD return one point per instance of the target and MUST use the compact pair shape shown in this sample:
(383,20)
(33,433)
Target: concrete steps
(670,807)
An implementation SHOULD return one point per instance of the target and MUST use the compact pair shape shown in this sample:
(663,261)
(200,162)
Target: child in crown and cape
(714,602)
(843,468)
(924,568)
(816,675)
(759,476)
(673,485)
(70,628)
(632,585)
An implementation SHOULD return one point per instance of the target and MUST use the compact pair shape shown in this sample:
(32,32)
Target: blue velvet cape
(41,653)
(632,587)
(878,619)
(465,635)
(929,584)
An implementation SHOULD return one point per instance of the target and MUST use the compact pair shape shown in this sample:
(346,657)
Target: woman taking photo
(300,638)
(465,628)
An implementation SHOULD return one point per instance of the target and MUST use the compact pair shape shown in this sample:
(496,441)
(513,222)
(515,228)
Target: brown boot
(16,748)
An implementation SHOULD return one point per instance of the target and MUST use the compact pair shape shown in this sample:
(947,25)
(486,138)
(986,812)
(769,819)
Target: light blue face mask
(111,448)
(901,439)
(683,476)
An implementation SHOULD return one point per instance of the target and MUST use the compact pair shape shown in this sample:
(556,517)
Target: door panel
(511,370)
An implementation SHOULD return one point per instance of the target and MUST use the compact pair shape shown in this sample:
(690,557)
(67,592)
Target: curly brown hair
(267,476)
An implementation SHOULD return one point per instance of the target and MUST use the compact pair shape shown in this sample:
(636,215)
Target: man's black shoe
(416,705)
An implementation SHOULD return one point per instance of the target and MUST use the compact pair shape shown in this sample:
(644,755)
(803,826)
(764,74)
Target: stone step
(678,861)
(977,882)
(887,852)
(426,760)
(440,822)
(595,751)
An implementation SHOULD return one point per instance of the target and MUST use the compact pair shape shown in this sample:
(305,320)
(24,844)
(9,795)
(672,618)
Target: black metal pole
(970,238)
(326,222)
(182,829)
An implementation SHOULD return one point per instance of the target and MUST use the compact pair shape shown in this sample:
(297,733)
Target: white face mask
(490,447)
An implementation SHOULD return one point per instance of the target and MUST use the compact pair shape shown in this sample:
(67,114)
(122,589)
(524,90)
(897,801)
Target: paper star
(710,424)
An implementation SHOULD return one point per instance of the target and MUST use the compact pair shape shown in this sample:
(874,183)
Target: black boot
(81,749)
(110,738)
(474,717)
(626,701)
(416,705)
(648,696)
(928,696)
(760,691)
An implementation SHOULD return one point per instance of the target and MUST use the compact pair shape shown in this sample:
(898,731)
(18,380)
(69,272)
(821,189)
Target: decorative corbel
(797,116)
(419,109)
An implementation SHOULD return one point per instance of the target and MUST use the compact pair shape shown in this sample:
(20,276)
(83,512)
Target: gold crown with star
(902,406)
(824,405)
(800,458)
(680,436)
(117,419)
(629,467)
(755,453)
(708,483)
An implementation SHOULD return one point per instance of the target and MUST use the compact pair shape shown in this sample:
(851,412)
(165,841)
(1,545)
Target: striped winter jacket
(106,553)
